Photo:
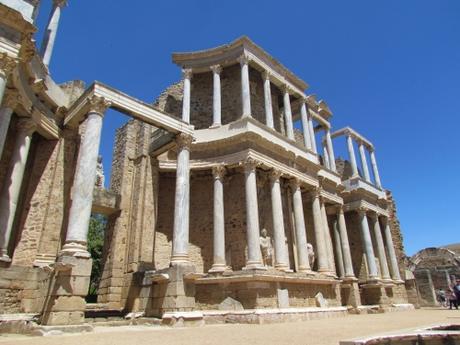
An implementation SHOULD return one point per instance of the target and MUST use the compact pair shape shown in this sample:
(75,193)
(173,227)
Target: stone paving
(315,332)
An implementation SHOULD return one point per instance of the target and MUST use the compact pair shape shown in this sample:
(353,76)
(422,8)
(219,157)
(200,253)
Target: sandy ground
(316,332)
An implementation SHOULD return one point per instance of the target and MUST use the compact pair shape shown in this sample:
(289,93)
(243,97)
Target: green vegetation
(97,225)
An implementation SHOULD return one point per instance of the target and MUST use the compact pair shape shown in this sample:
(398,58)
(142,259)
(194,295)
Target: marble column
(187,75)
(300,231)
(347,261)
(305,125)
(10,100)
(11,189)
(395,275)
(51,31)
(84,180)
(219,264)
(288,114)
(254,259)
(268,100)
(326,161)
(351,154)
(380,247)
(327,239)
(179,253)
(312,134)
(375,169)
(279,235)
(330,150)
(367,245)
(338,248)
(362,154)
(321,249)
(216,96)
(245,86)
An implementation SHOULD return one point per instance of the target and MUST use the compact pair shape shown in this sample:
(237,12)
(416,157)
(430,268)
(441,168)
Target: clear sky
(390,69)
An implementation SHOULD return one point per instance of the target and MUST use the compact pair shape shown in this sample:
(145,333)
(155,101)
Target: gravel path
(315,332)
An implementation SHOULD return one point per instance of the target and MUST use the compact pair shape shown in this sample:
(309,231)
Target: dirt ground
(315,332)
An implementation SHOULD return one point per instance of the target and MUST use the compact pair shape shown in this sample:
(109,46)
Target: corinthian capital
(98,105)
(187,73)
(218,171)
(26,126)
(184,140)
(11,99)
(7,64)
(250,164)
(275,175)
(294,183)
(243,59)
(216,69)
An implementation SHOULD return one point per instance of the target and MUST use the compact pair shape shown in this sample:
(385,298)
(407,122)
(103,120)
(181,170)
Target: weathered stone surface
(230,304)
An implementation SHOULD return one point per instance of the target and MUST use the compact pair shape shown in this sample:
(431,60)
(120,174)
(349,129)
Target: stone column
(380,247)
(279,235)
(367,245)
(9,195)
(321,249)
(391,250)
(51,31)
(305,125)
(7,64)
(327,239)
(187,74)
(84,179)
(10,100)
(330,150)
(375,169)
(288,114)
(300,231)
(347,261)
(326,157)
(312,134)
(362,153)
(245,86)
(216,95)
(268,100)
(219,264)
(181,202)
(254,260)
(351,154)
(338,248)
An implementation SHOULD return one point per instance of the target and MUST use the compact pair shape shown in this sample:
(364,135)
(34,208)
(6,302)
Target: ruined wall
(396,233)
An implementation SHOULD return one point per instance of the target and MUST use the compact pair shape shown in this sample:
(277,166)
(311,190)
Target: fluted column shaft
(254,260)
(187,75)
(9,195)
(281,254)
(351,154)
(305,125)
(326,157)
(391,250)
(84,179)
(300,231)
(216,96)
(219,263)
(380,248)
(362,153)
(6,111)
(51,31)
(375,169)
(367,245)
(312,134)
(268,100)
(182,202)
(347,261)
(330,149)
(321,249)
(327,239)
(288,114)
(245,86)
(338,249)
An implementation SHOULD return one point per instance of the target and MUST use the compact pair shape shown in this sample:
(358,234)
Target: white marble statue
(266,248)
(100,178)
(311,254)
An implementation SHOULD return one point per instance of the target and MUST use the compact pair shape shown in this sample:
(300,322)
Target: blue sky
(390,69)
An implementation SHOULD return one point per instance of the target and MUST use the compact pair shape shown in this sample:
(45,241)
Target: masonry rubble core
(215,195)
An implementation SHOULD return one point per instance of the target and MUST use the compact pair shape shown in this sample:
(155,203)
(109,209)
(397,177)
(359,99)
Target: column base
(254,266)
(282,267)
(218,268)
(77,249)
(215,125)
(179,259)
(305,270)
(5,258)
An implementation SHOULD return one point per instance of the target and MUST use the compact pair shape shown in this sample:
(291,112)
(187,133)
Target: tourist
(452,299)
(457,291)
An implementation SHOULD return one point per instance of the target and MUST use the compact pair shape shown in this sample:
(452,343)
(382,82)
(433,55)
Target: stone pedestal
(350,293)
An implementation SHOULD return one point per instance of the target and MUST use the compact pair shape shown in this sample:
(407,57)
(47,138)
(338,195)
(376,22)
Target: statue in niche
(100,179)
(266,248)
(311,254)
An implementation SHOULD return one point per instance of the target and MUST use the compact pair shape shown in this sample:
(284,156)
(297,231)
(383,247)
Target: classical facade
(218,205)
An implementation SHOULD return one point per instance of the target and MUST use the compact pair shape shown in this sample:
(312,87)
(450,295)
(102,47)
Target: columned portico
(216,99)
(182,202)
(380,247)
(219,264)
(347,262)
(305,125)
(187,75)
(281,254)
(254,259)
(300,231)
(51,31)
(395,275)
(85,176)
(327,239)
(367,245)
(338,248)
(351,154)
(9,195)
(245,86)
(288,113)
(268,100)
(321,248)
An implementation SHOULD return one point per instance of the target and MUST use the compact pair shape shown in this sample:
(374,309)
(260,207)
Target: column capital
(362,211)
(219,171)
(184,140)
(286,89)
(243,59)
(294,183)
(187,73)
(26,126)
(7,64)
(275,175)
(59,3)
(11,98)
(98,105)
(266,75)
(250,163)
(217,69)
(316,191)
(339,209)
(27,50)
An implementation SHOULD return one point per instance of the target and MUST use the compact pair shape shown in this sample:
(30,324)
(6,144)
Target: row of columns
(362,153)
